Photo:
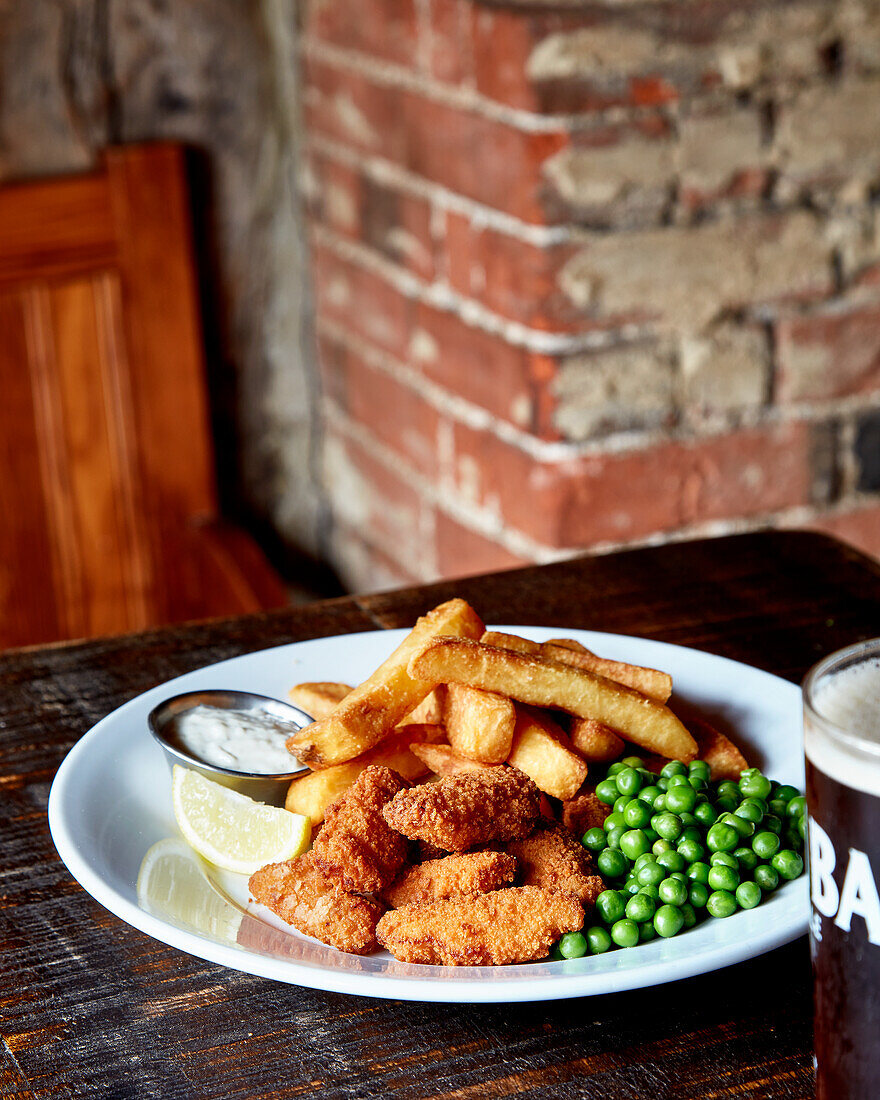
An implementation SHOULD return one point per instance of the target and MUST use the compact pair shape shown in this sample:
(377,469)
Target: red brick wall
(589,275)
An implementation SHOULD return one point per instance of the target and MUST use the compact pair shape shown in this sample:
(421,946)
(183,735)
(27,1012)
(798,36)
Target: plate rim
(569,979)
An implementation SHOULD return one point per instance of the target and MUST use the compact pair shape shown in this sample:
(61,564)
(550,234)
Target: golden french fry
(479,724)
(312,793)
(444,760)
(649,681)
(428,712)
(569,643)
(716,748)
(594,740)
(546,683)
(373,709)
(544,753)
(318,699)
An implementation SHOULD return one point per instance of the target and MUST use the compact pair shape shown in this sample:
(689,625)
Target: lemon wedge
(172,885)
(232,831)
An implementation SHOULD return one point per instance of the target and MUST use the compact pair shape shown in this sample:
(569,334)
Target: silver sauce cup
(271,789)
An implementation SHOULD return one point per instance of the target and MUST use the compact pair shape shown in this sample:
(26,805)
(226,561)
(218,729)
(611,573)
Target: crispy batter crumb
(453,876)
(552,858)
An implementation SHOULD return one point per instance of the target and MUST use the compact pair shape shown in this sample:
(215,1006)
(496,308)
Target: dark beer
(843,796)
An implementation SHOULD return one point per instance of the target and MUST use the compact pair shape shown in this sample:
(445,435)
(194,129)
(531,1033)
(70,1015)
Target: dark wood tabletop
(92,1007)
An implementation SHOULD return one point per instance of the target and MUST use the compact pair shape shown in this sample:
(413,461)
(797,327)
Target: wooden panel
(47,230)
(28,611)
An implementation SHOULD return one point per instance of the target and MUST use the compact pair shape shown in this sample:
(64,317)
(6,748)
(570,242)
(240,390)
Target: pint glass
(842,743)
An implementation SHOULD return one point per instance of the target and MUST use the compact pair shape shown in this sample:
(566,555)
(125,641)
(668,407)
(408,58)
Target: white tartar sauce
(243,740)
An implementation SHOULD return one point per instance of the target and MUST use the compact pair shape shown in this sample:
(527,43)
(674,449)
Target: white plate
(111,801)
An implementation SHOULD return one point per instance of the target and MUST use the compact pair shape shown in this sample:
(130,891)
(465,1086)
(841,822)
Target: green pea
(802,827)
(728,789)
(721,903)
(705,813)
(649,793)
(612,837)
(614,768)
(757,786)
(631,886)
(752,809)
(555,953)
(788,864)
(641,908)
(594,839)
(651,874)
(607,792)
(633,762)
(611,863)
(690,917)
(667,825)
(722,837)
(772,824)
(646,932)
(651,890)
(723,878)
(598,940)
(679,781)
(672,861)
(691,850)
(700,770)
(660,846)
(698,872)
(614,820)
(765,845)
(786,793)
(777,807)
(659,802)
(620,802)
(673,892)
(767,877)
(610,906)
(746,859)
(573,945)
(673,767)
(726,804)
(634,843)
(629,782)
(652,836)
(748,894)
(797,806)
(692,832)
(668,920)
(625,933)
(637,814)
(697,783)
(663,783)
(724,859)
(698,895)
(744,827)
(642,860)
(681,799)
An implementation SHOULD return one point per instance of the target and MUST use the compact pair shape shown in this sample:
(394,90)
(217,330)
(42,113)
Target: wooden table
(91,1007)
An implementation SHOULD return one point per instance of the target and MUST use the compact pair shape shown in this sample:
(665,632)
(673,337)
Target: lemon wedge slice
(172,885)
(232,831)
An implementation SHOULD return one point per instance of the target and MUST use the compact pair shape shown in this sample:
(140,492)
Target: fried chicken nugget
(553,859)
(356,847)
(513,925)
(302,895)
(467,809)
(453,876)
(584,812)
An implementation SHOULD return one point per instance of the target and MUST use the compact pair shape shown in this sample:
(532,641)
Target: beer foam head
(849,700)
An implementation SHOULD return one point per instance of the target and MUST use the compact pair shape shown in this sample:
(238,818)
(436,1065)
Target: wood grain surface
(91,1007)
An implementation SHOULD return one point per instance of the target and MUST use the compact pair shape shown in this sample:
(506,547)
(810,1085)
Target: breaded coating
(465,810)
(513,925)
(301,894)
(552,858)
(454,876)
(584,812)
(356,847)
